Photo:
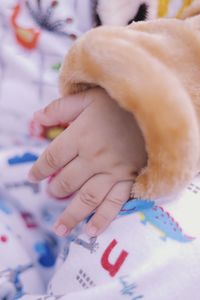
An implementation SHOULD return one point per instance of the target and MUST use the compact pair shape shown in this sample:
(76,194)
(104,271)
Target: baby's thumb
(63,110)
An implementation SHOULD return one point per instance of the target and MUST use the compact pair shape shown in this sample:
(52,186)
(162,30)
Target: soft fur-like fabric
(153,70)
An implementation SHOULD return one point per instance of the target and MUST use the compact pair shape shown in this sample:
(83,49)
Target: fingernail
(60,229)
(91,230)
(31,178)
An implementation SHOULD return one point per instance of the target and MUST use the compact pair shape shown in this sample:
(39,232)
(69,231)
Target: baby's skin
(98,156)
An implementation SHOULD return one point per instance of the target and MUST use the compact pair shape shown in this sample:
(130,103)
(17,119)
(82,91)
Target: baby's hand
(98,155)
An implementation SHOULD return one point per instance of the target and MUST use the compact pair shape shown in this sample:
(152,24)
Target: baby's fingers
(109,209)
(86,201)
(70,178)
(63,110)
(58,154)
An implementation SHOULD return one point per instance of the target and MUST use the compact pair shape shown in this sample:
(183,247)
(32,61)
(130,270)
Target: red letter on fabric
(113,268)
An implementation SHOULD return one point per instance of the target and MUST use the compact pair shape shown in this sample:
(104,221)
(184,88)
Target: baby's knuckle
(115,201)
(88,199)
(64,185)
(51,159)
(99,152)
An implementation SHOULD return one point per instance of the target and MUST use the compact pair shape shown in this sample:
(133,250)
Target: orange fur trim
(152,69)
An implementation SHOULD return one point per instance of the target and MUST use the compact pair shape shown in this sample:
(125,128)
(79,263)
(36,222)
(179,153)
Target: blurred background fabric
(34,37)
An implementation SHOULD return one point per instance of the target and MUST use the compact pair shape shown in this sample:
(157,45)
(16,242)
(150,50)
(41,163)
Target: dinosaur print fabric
(147,243)
(151,250)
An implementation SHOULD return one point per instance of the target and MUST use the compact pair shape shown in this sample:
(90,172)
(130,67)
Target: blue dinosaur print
(135,205)
(164,222)
(158,217)
(130,207)
(27,157)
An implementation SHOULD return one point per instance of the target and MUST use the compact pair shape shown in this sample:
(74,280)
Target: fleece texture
(151,69)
